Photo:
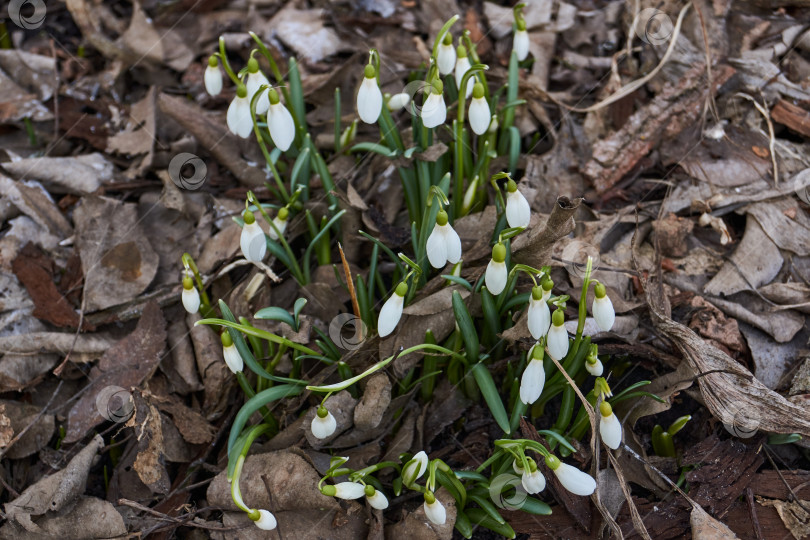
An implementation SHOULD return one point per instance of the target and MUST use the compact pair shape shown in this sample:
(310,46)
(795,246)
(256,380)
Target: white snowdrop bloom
(213,77)
(369,97)
(493,124)
(539,317)
(398,101)
(190,297)
(391,312)
(534,377)
(349,490)
(252,240)
(517,466)
(255,80)
(533,482)
(434,111)
(323,424)
(479,112)
(280,122)
(602,308)
(557,340)
(443,244)
(238,117)
(415,468)
(434,510)
(594,367)
(521,43)
(446,56)
(518,213)
(572,479)
(280,221)
(497,274)
(231,355)
(609,426)
(376,498)
(462,66)
(267,521)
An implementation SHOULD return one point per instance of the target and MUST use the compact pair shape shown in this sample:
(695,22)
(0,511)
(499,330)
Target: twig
(752,508)
(771,137)
(185,521)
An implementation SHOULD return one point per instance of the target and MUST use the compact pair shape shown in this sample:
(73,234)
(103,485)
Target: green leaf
(783,438)
(481,517)
(468,332)
(274,313)
(484,379)
(377,148)
(536,507)
(257,402)
(299,305)
(463,525)
(458,281)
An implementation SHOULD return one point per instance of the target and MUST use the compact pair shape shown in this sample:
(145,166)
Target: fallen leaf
(14,418)
(90,518)
(375,400)
(148,431)
(78,175)
(793,514)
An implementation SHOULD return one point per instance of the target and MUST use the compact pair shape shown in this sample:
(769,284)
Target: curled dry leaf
(89,518)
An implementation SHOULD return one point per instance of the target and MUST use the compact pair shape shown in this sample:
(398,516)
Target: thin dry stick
(350,284)
(771,136)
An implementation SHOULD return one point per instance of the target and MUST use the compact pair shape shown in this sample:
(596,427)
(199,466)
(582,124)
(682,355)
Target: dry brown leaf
(149,463)
(78,175)
(793,514)
(705,527)
(14,418)
(88,519)
(376,397)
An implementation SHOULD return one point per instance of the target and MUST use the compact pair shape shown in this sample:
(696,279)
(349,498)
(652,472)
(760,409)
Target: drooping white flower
(446,56)
(443,244)
(398,101)
(497,273)
(280,222)
(534,377)
(213,77)
(479,110)
(572,479)
(609,426)
(462,66)
(539,317)
(369,97)
(238,117)
(520,44)
(434,510)
(267,521)
(414,469)
(255,80)
(493,124)
(231,355)
(190,297)
(517,466)
(252,240)
(533,481)
(518,213)
(349,490)
(323,424)
(434,111)
(602,308)
(280,122)
(376,498)
(391,312)
(594,366)
(557,340)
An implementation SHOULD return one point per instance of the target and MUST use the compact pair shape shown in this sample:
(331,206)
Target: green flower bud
(599,290)
(558,319)
(249,217)
(226,339)
(188,283)
(499,253)
(478,90)
(272,95)
(369,72)
(213,61)
(252,65)
(402,289)
(537,293)
(553,462)
(441,218)
(241,91)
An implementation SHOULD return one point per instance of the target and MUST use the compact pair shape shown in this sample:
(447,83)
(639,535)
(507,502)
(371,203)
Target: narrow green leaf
(257,402)
(481,517)
(468,332)
(484,379)
(274,313)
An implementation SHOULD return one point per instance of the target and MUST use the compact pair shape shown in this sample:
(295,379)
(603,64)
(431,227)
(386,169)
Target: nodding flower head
(521,41)
(572,479)
(391,312)
(232,357)
(434,111)
(238,118)
(609,426)
(369,97)
(533,480)
(279,122)
(398,101)
(557,339)
(539,317)
(592,363)
(480,115)
(497,274)
(345,490)
(280,222)
(323,424)
(263,519)
(443,244)
(534,377)
(446,56)
(190,297)
(434,510)
(252,241)
(376,498)
(518,213)
(213,77)
(415,468)
(255,80)
(462,66)
(602,308)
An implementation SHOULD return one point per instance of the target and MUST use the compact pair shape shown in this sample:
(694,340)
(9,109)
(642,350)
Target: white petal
(453,244)
(462,66)
(191,300)
(532,382)
(533,482)
(446,58)
(435,512)
(349,490)
(323,427)
(233,359)
(421,462)
(539,318)
(434,111)
(253,242)
(496,277)
(282,126)
(479,115)
(517,467)
(611,430)
(436,248)
(595,369)
(603,313)
(369,101)
(378,500)
(390,314)
(254,82)
(236,116)
(213,80)
(280,225)
(574,480)
(518,213)
(521,44)
(557,342)
(398,101)
(267,521)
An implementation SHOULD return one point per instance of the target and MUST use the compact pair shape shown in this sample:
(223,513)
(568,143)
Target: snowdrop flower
(539,318)
(462,66)
(518,212)
(415,468)
(280,221)
(493,124)
(398,101)
(533,480)
(557,340)
(609,426)
(345,490)
(534,377)
(521,41)
(434,111)
(391,312)
(434,510)
(232,357)
(517,466)
(280,122)
(252,241)
(376,498)
(446,57)
(592,363)
(369,98)
(602,308)
(323,424)
(255,80)
(443,244)
(238,118)
(265,520)
(572,479)
(213,77)
(479,110)
(191,297)
(497,274)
